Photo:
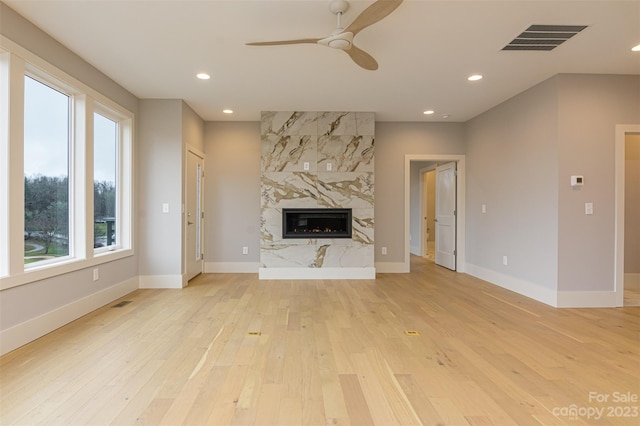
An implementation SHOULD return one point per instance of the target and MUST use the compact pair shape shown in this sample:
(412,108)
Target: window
(66,186)
(46,172)
(105,188)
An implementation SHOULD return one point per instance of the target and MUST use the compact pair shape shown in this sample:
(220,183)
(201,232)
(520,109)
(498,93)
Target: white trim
(618,253)
(586,299)
(317,273)
(392,268)
(231,267)
(32,329)
(460,201)
(525,288)
(162,281)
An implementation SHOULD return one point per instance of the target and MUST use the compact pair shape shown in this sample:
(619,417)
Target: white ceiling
(425,50)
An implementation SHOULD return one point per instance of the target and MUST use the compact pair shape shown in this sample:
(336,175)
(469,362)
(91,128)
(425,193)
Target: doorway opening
(422,161)
(627,204)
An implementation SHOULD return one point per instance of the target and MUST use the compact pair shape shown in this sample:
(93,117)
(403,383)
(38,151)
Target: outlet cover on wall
(245,250)
(384,250)
(505,261)
(96,274)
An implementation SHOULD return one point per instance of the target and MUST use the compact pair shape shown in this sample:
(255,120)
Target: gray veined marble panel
(289,123)
(346,190)
(354,256)
(288,153)
(317,256)
(362,228)
(270,226)
(365,123)
(346,123)
(336,123)
(286,189)
(346,153)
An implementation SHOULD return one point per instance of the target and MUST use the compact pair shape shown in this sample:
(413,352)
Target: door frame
(460,201)
(618,255)
(185,250)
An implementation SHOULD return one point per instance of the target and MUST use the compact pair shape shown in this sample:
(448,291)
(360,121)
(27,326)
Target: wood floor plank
(231,349)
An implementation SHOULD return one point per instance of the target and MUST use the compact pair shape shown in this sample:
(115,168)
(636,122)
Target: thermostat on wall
(577,181)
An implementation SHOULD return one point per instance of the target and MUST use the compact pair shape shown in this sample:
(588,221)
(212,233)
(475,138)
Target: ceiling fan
(342,38)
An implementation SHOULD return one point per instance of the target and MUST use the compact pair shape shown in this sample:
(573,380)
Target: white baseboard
(161,281)
(231,267)
(28,331)
(317,273)
(392,268)
(586,299)
(525,288)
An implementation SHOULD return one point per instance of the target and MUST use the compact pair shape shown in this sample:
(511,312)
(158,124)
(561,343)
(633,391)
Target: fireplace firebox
(316,223)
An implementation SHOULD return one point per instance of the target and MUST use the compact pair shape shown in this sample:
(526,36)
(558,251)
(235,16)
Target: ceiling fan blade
(362,58)
(275,43)
(372,14)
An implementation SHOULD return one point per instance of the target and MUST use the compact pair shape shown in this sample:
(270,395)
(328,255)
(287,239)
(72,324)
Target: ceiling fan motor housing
(339,6)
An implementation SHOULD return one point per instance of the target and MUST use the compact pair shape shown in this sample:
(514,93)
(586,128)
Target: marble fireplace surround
(317,160)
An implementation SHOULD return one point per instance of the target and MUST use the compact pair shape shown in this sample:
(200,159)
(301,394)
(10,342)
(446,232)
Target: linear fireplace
(316,223)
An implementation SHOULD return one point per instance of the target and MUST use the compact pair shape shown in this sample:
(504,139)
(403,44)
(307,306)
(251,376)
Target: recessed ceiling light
(474,77)
(636,48)
(203,76)
(227,111)
(445,116)
(428,112)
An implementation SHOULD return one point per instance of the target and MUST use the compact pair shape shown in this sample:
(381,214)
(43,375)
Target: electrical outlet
(165,207)
(484,208)
(305,166)
(384,251)
(96,274)
(505,261)
(245,250)
(329,167)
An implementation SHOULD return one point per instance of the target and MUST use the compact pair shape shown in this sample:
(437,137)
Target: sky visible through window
(46,123)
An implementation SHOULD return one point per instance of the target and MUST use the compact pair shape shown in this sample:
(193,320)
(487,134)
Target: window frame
(15,63)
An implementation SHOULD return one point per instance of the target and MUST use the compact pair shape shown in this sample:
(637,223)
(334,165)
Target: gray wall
(520,157)
(29,301)
(18,29)
(589,107)
(233,184)
(393,142)
(632,205)
(232,198)
(160,174)
(512,167)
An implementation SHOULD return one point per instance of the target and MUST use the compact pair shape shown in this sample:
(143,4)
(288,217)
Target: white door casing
(446,215)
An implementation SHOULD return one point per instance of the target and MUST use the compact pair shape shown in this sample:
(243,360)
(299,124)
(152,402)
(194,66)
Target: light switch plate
(588,208)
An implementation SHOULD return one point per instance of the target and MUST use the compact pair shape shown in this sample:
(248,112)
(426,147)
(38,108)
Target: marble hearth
(317,160)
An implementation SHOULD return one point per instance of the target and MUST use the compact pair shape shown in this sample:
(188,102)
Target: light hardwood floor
(230,349)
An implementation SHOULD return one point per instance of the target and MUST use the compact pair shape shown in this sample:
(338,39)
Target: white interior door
(194,214)
(446,215)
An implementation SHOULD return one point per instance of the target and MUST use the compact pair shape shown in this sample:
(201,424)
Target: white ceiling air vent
(543,37)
